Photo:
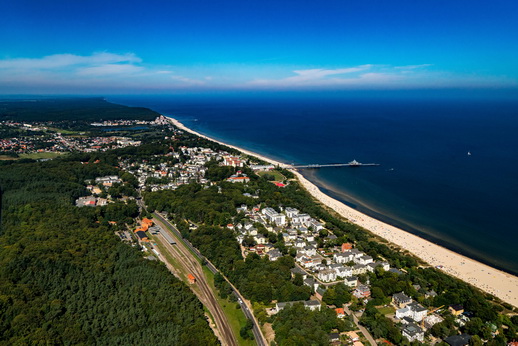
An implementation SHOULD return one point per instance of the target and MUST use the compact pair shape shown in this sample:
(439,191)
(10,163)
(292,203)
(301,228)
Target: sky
(125,47)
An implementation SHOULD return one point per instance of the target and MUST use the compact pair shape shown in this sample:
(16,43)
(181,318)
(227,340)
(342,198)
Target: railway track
(204,293)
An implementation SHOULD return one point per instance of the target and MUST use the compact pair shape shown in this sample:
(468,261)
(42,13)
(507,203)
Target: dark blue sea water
(427,183)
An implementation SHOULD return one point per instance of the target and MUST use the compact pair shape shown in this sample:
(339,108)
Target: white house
(403,312)
(419,312)
(291,212)
(351,281)
(344,271)
(413,332)
(317,226)
(327,275)
(259,239)
(359,269)
(364,260)
(342,257)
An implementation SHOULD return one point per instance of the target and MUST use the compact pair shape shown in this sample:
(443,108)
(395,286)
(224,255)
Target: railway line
(204,292)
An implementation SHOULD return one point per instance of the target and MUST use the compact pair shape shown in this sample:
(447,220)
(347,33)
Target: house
(430,321)
(458,340)
(274,255)
(191,278)
(413,332)
(334,337)
(273,216)
(298,270)
(141,235)
(351,281)
(418,311)
(311,283)
(401,299)
(364,260)
(309,304)
(146,221)
(396,271)
(327,275)
(456,309)
(342,271)
(346,246)
(359,269)
(353,336)
(342,258)
(356,253)
(309,250)
(430,294)
(403,312)
(238,179)
(260,239)
(340,313)
(319,293)
(317,226)
(384,265)
(362,291)
(300,243)
(312,305)
(232,161)
(88,201)
(291,212)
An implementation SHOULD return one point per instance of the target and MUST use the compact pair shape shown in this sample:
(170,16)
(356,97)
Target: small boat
(469,153)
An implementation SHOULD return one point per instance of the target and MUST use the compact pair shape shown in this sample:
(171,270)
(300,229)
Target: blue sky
(99,47)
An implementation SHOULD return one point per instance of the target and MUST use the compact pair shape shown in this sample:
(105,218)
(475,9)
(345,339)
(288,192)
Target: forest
(65,278)
(73,108)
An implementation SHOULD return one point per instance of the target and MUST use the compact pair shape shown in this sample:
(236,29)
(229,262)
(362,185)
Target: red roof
(279,184)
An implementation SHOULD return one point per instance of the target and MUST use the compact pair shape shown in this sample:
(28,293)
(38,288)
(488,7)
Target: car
(239,300)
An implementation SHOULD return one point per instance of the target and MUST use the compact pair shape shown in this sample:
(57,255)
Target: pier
(353,163)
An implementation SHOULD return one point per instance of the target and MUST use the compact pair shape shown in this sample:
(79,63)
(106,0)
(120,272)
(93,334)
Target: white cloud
(105,72)
(412,67)
(102,69)
(57,61)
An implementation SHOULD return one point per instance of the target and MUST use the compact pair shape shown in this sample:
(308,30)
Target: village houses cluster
(50,141)
(191,169)
(96,189)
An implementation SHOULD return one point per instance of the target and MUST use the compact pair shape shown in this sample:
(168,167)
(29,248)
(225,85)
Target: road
(245,307)
(362,328)
(187,260)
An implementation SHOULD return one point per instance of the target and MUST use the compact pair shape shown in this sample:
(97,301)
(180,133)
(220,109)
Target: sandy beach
(486,278)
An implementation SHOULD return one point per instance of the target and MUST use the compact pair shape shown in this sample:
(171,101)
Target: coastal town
(359,283)
(47,140)
(321,262)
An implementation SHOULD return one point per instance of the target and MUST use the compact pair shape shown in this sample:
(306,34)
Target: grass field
(276,174)
(44,155)
(62,131)
(7,157)
(236,317)
(386,310)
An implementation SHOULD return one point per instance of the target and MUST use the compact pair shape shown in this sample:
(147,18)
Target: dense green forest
(65,278)
(77,109)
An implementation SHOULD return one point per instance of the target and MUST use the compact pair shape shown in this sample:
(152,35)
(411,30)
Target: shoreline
(488,279)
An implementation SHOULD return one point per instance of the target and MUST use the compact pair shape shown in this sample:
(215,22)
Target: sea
(448,162)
